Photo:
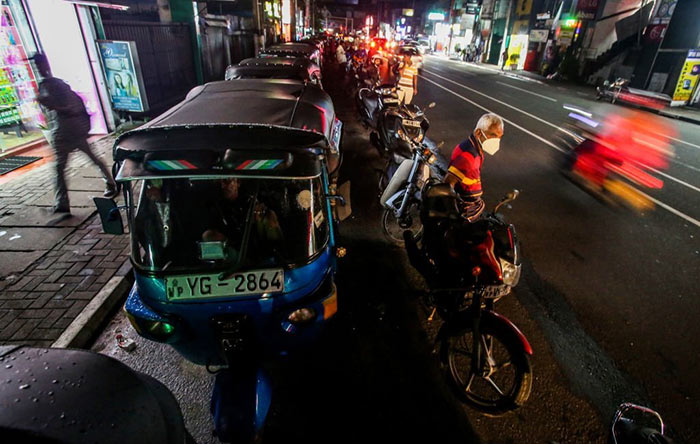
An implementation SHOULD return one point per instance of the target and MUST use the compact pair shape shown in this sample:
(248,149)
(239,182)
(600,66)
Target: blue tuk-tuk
(232,232)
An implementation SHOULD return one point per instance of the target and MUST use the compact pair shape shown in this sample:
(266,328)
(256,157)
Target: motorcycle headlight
(432,159)
(511,272)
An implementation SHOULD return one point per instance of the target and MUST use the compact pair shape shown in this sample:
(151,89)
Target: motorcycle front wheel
(393,227)
(504,378)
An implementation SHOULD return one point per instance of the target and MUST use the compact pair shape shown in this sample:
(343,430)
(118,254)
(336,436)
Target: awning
(106,4)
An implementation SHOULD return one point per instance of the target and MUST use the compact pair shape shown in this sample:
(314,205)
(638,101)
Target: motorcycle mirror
(606,83)
(431,105)
(512,195)
(441,144)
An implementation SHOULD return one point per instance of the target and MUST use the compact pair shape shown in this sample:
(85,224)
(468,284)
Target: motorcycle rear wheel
(393,228)
(505,381)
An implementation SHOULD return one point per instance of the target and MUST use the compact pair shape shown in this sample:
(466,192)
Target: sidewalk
(49,272)
(685,113)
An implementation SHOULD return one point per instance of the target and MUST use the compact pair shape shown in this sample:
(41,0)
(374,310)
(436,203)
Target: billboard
(123,74)
(688,79)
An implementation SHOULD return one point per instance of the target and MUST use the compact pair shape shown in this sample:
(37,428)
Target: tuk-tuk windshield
(232,223)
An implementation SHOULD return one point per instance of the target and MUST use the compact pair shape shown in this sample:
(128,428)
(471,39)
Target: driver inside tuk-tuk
(230,217)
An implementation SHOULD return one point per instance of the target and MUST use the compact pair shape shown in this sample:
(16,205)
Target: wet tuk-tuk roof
(248,115)
(292,49)
(298,68)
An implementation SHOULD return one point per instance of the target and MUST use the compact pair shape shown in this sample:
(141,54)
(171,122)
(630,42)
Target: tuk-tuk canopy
(284,121)
(293,50)
(296,68)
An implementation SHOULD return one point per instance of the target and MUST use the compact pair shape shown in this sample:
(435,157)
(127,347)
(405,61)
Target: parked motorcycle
(56,395)
(372,100)
(401,198)
(634,424)
(468,267)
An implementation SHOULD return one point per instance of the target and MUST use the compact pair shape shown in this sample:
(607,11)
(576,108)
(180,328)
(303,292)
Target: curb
(679,117)
(81,330)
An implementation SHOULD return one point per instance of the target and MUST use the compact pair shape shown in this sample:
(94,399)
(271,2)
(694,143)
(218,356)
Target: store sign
(436,16)
(587,9)
(523,7)
(565,36)
(539,35)
(544,16)
(123,73)
(407,12)
(688,79)
(472,8)
(663,11)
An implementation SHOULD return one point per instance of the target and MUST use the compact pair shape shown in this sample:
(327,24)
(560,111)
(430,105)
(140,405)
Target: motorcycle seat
(440,202)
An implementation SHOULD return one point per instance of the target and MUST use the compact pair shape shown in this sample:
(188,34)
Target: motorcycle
(77,396)
(468,267)
(634,424)
(600,172)
(233,245)
(405,177)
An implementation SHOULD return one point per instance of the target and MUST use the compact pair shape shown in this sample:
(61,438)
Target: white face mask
(491,146)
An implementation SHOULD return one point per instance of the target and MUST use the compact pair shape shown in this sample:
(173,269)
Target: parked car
(414,52)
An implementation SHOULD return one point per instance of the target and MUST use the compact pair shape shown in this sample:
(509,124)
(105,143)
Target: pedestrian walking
(505,59)
(69,124)
(408,82)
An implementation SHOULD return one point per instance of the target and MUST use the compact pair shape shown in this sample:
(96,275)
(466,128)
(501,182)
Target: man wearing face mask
(464,172)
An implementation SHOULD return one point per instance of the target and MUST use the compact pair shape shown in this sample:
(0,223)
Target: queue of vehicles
(231,205)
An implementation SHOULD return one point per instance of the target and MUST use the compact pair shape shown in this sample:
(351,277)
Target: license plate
(210,286)
(411,123)
(391,100)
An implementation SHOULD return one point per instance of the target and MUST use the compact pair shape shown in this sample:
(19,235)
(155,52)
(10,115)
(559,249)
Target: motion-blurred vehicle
(293,68)
(613,157)
(620,91)
(414,53)
(292,49)
(232,225)
(468,267)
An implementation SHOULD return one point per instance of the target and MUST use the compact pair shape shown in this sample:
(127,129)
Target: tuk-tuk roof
(291,49)
(291,72)
(247,119)
(299,68)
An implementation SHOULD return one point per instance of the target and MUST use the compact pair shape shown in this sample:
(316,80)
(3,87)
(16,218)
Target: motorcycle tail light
(511,272)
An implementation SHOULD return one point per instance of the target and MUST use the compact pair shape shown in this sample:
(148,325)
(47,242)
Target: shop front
(21,120)
(55,28)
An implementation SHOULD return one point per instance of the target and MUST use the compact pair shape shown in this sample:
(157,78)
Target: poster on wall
(123,74)
(688,79)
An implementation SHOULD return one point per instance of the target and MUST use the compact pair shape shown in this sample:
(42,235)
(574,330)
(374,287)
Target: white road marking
(529,92)
(548,143)
(692,187)
(671,209)
(545,141)
(687,143)
(542,120)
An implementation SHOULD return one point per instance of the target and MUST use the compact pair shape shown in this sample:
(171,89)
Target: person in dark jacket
(69,124)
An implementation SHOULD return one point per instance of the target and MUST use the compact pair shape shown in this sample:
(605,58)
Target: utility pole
(450,20)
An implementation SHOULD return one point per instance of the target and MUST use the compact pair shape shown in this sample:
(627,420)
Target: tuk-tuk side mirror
(109,215)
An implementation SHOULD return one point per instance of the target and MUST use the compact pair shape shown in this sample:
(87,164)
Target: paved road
(599,299)
(615,294)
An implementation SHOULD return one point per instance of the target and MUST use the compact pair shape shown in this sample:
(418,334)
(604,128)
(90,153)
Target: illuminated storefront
(21,119)
(55,28)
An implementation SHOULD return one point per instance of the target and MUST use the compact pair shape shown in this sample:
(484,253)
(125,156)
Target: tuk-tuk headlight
(302,315)
(511,272)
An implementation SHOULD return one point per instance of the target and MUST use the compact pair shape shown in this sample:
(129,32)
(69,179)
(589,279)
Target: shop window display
(21,118)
